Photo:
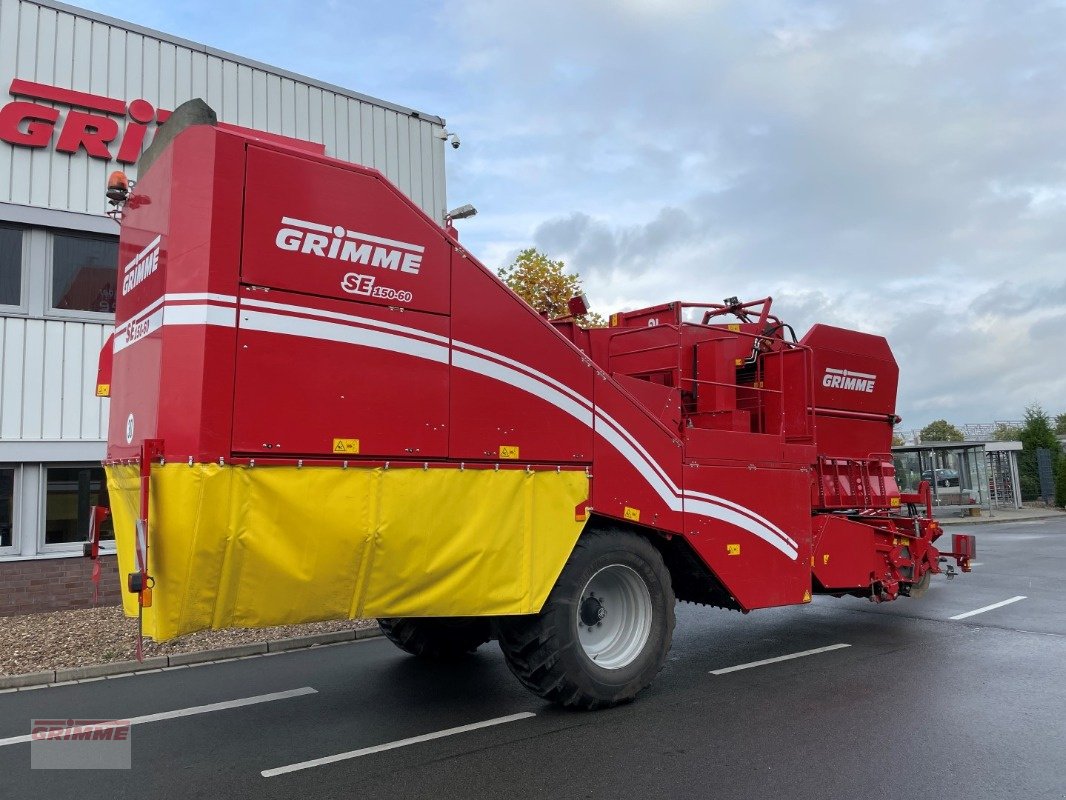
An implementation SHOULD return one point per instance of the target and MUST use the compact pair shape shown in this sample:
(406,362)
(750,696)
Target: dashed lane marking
(181,712)
(380,748)
(983,609)
(789,657)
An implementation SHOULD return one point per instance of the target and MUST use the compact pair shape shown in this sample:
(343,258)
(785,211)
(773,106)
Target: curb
(156,663)
(997,520)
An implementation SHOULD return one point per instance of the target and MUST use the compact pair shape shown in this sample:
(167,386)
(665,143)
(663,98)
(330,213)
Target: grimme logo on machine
(340,244)
(141,266)
(27,124)
(845,379)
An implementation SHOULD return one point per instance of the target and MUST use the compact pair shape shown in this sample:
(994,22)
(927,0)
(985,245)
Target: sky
(898,167)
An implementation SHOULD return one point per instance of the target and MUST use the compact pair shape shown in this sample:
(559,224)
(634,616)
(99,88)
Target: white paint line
(183,712)
(983,609)
(380,748)
(789,657)
(976,564)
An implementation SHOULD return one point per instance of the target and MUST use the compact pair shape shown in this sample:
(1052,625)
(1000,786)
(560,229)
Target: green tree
(1036,432)
(546,285)
(898,440)
(940,430)
(1060,424)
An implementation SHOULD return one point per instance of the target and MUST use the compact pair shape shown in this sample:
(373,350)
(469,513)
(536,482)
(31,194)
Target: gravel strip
(60,639)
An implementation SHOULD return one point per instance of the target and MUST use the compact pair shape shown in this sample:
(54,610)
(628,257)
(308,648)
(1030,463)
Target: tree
(1037,432)
(1060,424)
(940,430)
(898,440)
(545,285)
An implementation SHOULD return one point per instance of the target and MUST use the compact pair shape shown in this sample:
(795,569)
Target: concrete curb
(951,521)
(155,663)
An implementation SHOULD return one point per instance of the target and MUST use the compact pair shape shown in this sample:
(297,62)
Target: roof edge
(217,53)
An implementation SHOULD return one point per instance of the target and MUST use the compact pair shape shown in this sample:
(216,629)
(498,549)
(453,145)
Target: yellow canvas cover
(236,546)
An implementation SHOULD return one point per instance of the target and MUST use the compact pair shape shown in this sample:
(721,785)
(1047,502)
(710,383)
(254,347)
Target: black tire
(437,637)
(545,651)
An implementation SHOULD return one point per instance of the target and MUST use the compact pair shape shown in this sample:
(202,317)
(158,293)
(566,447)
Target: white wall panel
(48,366)
(48,385)
(89,53)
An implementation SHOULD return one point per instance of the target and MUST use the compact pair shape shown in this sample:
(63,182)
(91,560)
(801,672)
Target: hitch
(91,547)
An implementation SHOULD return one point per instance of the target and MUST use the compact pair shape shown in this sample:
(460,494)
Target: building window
(69,494)
(7,507)
(10,265)
(83,273)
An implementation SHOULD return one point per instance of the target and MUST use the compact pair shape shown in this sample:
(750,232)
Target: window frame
(43,548)
(22,307)
(16,510)
(51,312)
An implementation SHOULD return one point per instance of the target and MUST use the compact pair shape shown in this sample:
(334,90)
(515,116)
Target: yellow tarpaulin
(233,546)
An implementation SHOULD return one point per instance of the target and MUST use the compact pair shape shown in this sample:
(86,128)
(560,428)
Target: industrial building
(84,94)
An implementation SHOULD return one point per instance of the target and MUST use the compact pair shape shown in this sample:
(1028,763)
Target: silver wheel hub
(614,617)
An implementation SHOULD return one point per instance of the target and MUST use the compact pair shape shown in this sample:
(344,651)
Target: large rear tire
(437,637)
(606,627)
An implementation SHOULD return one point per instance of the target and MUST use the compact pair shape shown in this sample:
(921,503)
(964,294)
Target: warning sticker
(732,549)
(347,446)
(508,451)
(631,513)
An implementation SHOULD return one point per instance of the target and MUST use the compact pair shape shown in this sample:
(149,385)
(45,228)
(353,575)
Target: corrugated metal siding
(58,48)
(49,380)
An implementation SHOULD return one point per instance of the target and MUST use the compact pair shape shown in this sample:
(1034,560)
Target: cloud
(893,167)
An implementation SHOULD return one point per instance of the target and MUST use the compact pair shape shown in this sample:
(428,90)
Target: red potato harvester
(323,407)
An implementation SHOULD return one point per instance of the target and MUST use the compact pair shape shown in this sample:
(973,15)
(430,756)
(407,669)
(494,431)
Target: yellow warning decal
(739,362)
(346,446)
(103,390)
(614,320)
(825,559)
(632,513)
(734,327)
(508,451)
(807,596)
(894,502)
(732,549)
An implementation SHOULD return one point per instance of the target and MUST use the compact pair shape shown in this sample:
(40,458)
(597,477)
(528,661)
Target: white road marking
(790,656)
(182,712)
(379,748)
(975,564)
(983,609)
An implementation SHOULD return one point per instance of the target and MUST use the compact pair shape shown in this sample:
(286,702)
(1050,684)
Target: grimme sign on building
(84,95)
(32,124)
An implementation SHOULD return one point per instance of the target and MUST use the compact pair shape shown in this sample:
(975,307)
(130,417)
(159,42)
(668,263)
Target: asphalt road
(916,706)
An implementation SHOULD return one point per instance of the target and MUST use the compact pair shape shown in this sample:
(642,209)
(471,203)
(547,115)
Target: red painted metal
(276,302)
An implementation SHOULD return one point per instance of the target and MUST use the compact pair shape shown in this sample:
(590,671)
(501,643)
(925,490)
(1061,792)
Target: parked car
(944,477)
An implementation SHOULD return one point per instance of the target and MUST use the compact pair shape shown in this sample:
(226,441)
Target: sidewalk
(1000,515)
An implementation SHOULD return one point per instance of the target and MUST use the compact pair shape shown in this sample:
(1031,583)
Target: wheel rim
(614,617)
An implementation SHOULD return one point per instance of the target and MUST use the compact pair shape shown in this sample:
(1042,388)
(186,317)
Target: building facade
(84,94)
